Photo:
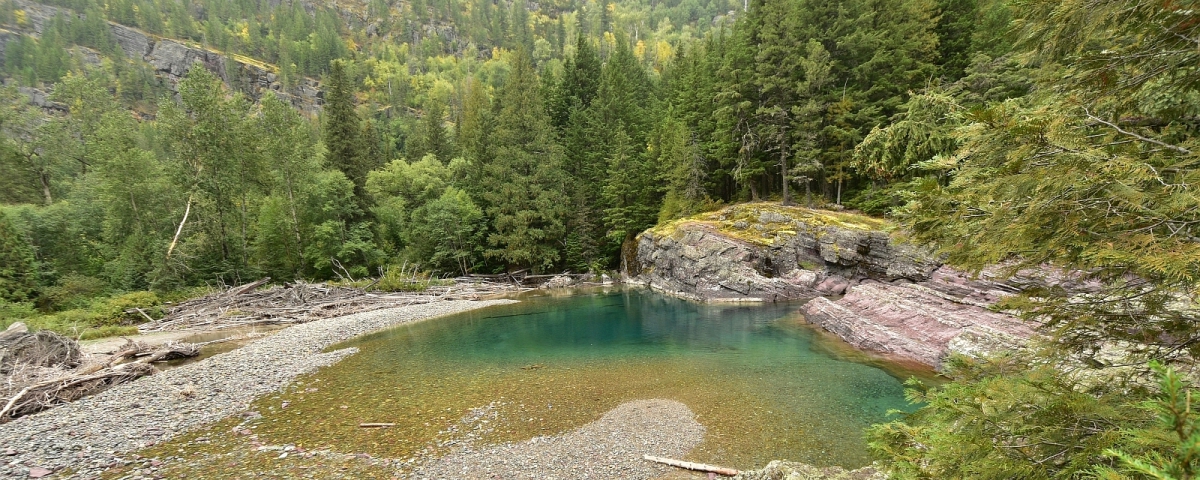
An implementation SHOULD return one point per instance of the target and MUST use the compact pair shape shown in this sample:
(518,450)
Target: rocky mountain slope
(172,59)
(896,299)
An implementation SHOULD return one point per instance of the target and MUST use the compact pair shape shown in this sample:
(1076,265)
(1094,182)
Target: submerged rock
(781,470)
(899,300)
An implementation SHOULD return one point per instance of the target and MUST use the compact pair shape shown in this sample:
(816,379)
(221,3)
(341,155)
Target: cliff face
(899,300)
(172,60)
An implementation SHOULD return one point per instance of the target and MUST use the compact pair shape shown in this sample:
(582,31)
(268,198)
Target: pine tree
(776,76)
(735,97)
(630,194)
(472,131)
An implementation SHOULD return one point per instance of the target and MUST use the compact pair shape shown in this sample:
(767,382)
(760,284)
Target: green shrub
(72,291)
(875,200)
(113,311)
(1005,419)
(1168,449)
(107,331)
(400,279)
(11,312)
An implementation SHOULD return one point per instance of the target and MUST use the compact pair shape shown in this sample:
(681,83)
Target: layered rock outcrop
(766,252)
(172,59)
(896,299)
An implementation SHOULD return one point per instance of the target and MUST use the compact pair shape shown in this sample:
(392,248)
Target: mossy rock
(763,222)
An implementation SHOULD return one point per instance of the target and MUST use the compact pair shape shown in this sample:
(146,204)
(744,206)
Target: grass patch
(399,279)
(108,331)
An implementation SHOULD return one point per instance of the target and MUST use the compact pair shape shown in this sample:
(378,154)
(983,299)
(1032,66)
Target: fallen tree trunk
(699,467)
(249,287)
(40,396)
(171,351)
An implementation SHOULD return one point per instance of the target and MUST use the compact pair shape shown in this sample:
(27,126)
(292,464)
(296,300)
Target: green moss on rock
(764,223)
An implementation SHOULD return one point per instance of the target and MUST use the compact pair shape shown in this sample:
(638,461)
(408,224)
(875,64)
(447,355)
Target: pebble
(112,424)
(611,447)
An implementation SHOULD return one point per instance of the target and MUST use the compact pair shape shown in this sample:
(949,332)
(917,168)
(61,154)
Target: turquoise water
(765,384)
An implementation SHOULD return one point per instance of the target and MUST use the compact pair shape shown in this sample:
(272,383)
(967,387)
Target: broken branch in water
(699,467)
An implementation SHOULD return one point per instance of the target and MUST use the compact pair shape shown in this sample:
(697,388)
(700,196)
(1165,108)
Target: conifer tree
(342,129)
(430,136)
(579,83)
(630,194)
(18,267)
(471,134)
(524,181)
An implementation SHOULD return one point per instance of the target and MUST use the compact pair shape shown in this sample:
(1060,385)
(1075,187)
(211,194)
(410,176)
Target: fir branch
(1135,135)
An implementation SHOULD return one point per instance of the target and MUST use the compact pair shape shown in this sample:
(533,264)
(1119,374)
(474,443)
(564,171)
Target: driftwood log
(40,396)
(41,349)
(699,467)
(299,302)
(43,379)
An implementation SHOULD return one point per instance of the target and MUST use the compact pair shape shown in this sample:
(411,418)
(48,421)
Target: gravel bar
(87,435)
(611,447)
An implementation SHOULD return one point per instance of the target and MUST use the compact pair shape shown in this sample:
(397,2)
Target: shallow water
(766,385)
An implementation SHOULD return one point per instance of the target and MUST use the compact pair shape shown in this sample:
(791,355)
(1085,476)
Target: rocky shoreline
(94,433)
(896,299)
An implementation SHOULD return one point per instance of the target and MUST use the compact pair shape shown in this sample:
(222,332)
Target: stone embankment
(94,433)
(172,59)
(896,299)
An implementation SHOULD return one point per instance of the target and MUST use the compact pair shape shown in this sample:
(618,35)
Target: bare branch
(1139,137)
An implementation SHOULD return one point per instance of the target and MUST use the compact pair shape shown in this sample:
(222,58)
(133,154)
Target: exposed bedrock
(172,59)
(899,300)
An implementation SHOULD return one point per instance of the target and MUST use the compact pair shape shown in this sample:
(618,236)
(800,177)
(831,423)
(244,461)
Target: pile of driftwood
(43,369)
(301,302)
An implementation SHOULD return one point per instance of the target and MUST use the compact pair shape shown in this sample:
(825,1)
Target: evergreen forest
(485,136)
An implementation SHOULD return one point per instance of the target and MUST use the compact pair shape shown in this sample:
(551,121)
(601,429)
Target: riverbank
(94,433)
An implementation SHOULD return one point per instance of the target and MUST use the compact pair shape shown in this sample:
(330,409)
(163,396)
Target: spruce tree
(524,181)
(430,136)
(580,82)
(342,128)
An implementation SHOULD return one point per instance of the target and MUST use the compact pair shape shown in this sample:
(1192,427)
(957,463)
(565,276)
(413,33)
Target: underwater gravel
(611,447)
(96,432)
